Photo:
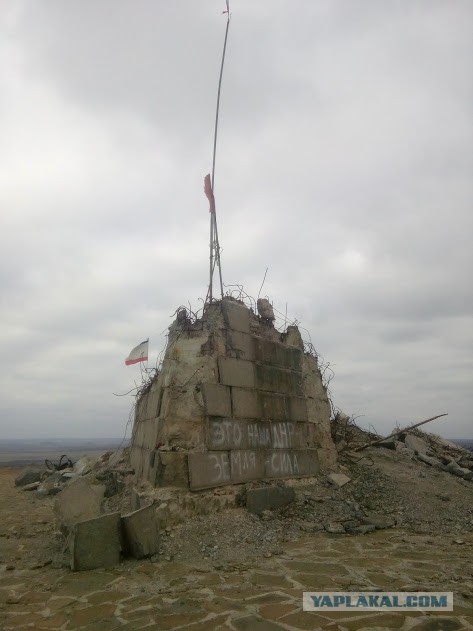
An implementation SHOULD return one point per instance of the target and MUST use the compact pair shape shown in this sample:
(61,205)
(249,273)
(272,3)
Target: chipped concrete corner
(235,401)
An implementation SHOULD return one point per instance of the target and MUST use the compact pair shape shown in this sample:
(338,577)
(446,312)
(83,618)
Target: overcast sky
(344,166)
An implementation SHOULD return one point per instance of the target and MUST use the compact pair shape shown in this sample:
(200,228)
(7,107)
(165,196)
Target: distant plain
(22,452)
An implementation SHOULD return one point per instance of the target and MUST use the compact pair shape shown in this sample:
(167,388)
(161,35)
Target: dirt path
(259,594)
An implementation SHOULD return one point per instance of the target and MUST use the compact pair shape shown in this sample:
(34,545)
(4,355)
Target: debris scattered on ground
(418,481)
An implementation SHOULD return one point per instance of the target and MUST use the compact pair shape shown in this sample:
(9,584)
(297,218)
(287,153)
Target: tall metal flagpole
(210,183)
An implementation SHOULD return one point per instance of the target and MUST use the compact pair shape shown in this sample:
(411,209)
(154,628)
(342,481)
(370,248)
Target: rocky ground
(387,488)
(237,571)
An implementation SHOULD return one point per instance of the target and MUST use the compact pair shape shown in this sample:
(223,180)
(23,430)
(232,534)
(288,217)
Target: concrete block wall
(235,401)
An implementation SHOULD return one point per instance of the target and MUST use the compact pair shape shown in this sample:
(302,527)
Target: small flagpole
(214,242)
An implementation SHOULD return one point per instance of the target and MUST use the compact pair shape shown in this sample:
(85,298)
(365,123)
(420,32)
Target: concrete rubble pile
(438,453)
(87,493)
(427,448)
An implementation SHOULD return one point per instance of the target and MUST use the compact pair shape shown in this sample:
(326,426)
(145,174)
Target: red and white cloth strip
(138,354)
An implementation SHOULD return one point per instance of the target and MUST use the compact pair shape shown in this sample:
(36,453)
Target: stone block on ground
(30,487)
(268,498)
(453,467)
(335,528)
(416,444)
(79,501)
(387,444)
(380,522)
(84,465)
(364,529)
(28,476)
(135,500)
(109,481)
(433,462)
(95,543)
(140,532)
(52,485)
(338,479)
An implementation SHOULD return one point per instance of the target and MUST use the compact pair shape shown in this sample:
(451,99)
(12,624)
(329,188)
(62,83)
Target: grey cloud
(344,165)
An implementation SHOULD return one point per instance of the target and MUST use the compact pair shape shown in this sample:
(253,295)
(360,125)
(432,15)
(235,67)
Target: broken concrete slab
(415,443)
(433,462)
(95,543)
(268,498)
(52,485)
(83,465)
(80,500)
(265,309)
(387,444)
(30,487)
(335,528)
(109,480)
(364,529)
(29,475)
(140,532)
(136,500)
(454,468)
(338,479)
(236,316)
(380,522)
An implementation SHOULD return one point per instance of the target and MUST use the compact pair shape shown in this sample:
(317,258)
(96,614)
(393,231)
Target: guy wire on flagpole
(214,243)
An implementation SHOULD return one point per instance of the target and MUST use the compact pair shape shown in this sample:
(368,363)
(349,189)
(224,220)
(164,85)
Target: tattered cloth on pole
(209,192)
(138,354)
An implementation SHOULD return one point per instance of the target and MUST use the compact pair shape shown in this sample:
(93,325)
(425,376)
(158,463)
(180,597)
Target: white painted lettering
(252,433)
(221,466)
(218,436)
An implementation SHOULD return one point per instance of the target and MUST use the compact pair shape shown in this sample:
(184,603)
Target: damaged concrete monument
(234,401)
